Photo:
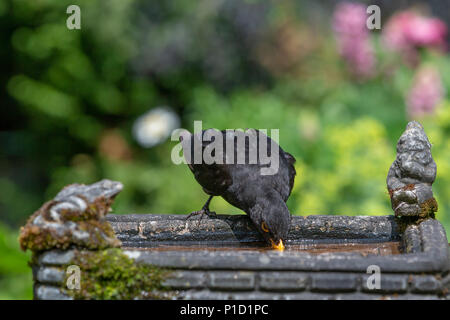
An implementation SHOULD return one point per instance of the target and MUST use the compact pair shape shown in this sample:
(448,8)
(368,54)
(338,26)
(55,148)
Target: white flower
(155,126)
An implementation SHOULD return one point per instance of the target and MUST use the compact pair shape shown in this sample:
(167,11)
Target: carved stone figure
(76,216)
(411,175)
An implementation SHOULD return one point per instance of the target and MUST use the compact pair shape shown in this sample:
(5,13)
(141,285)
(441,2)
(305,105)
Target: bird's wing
(289,158)
(214,178)
(291,169)
(283,181)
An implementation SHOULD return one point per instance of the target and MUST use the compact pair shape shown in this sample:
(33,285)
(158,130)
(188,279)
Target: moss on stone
(39,239)
(427,211)
(110,274)
(428,208)
(92,220)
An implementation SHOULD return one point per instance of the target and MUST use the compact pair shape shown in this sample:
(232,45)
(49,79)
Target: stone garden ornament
(411,175)
(75,217)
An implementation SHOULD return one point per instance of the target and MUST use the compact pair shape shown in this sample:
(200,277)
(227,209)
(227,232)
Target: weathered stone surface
(290,261)
(50,275)
(149,230)
(56,257)
(76,216)
(410,296)
(126,229)
(229,280)
(256,295)
(358,296)
(446,284)
(390,283)
(411,175)
(434,241)
(334,282)
(412,242)
(427,283)
(283,281)
(45,292)
(186,280)
(230,295)
(308,295)
(343,227)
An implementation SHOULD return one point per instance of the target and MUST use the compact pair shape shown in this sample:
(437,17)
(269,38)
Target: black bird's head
(273,220)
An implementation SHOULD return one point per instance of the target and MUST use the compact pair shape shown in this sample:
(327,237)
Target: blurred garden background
(101,102)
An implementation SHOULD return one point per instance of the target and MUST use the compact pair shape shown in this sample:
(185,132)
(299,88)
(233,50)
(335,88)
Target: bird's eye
(264,226)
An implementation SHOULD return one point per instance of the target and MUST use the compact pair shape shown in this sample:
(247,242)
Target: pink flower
(408,30)
(427,32)
(426,92)
(349,24)
(350,19)
(395,33)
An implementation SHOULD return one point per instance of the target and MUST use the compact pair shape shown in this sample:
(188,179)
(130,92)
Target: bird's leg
(205,207)
(203,211)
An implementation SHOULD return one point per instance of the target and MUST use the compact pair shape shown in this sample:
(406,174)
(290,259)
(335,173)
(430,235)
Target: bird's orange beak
(279,246)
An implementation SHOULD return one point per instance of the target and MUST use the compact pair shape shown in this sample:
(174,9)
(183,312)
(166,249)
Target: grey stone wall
(245,284)
(303,285)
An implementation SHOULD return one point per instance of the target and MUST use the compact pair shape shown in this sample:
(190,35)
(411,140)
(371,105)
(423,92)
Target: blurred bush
(72,96)
(15,275)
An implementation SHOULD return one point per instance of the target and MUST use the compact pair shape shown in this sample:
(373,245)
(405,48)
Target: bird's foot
(202,212)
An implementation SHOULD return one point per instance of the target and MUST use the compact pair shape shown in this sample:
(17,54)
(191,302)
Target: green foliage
(15,275)
(349,178)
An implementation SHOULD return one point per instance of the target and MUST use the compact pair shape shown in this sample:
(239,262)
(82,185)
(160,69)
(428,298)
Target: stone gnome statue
(411,175)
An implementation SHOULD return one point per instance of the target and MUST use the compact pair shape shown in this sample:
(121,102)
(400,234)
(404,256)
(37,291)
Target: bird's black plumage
(262,197)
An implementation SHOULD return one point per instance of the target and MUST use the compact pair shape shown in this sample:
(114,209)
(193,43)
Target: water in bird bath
(379,248)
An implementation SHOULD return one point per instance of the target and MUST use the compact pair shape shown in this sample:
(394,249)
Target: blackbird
(243,175)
